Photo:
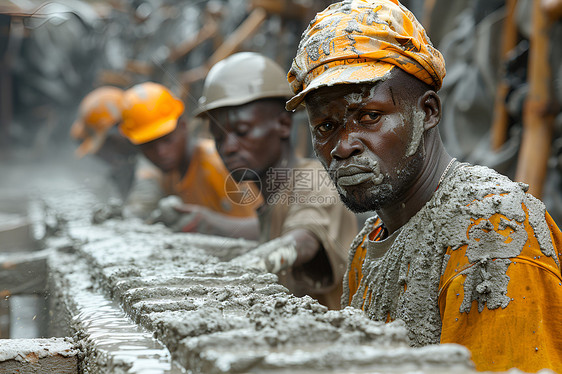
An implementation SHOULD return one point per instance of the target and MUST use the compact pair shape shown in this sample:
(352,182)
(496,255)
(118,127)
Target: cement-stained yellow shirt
(498,288)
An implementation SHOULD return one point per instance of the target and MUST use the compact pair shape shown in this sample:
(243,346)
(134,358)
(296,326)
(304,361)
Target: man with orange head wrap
(458,252)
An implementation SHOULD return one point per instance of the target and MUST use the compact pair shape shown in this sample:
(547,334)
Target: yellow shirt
(526,332)
(207,183)
(496,288)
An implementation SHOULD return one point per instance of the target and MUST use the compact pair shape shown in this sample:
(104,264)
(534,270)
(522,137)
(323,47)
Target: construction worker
(192,169)
(96,127)
(305,231)
(458,252)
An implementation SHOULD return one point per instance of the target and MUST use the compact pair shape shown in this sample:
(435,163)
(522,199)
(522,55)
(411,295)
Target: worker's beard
(376,197)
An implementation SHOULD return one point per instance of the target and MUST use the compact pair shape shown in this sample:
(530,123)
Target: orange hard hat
(98,112)
(150,111)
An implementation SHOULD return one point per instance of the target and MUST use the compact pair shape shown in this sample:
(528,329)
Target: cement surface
(27,350)
(136,296)
(23,272)
(219,317)
(39,356)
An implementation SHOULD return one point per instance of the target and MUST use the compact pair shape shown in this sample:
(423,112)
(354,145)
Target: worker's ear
(285,123)
(430,103)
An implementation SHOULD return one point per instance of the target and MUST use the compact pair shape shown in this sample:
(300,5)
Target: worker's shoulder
(310,166)
(206,153)
(206,146)
(478,191)
(471,183)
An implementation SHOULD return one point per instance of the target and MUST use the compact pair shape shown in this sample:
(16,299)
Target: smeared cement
(109,340)
(27,356)
(417,257)
(31,350)
(123,283)
(223,317)
(418,119)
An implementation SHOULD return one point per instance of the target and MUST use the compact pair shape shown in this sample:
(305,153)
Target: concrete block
(39,356)
(216,317)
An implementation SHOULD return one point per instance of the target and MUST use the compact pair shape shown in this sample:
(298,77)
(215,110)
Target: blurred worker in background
(192,169)
(305,231)
(96,127)
(458,252)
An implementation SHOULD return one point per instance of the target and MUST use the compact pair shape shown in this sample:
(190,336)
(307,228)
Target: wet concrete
(27,356)
(215,317)
(139,299)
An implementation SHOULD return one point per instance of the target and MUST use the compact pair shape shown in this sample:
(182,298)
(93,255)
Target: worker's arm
(306,245)
(206,221)
(145,192)
(293,248)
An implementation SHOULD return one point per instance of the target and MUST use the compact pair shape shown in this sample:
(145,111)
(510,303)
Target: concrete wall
(135,298)
(210,316)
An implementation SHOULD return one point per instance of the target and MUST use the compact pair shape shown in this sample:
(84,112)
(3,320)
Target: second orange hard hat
(150,111)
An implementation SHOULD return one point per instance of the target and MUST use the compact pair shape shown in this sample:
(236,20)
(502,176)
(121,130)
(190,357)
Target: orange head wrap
(361,41)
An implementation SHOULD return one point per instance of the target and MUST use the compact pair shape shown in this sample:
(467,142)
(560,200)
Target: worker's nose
(348,145)
(230,144)
(161,148)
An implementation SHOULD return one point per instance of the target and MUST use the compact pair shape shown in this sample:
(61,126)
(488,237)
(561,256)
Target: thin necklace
(446,171)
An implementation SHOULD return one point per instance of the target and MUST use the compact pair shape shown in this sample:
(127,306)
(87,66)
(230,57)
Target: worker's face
(369,139)
(249,136)
(169,151)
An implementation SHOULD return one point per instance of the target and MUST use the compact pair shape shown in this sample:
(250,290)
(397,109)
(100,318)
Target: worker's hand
(274,256)
(196,218)
(209,222)
(170,216)
(200,219)
(113,209)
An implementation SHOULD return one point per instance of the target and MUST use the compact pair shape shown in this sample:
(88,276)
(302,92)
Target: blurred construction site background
(501,97)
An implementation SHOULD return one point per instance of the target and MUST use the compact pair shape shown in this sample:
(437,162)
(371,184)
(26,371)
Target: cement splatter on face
(378,194)
(372,178)
(366,94)
(418,118)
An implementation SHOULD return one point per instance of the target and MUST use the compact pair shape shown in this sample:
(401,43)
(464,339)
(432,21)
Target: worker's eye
(324,128)
(370,117)
(242,130)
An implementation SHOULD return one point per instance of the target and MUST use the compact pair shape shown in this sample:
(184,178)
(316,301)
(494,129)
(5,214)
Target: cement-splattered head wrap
(361,41)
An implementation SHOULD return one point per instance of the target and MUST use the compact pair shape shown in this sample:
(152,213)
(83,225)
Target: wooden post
(250,25)
(209,29)
(428,6)
(537,119)
(501,118)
